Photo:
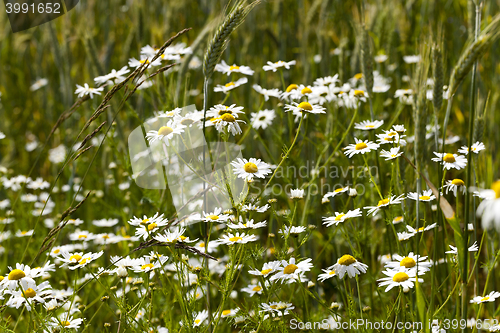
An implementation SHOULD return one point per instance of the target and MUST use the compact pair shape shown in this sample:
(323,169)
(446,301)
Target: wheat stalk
(221,37)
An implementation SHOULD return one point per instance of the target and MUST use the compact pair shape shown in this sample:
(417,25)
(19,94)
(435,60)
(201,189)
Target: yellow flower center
(56,251)
(289,269)
(83,261)
(449,158)
(407,262)
(496,187)
(229,84)
(24,232)
(306,90)
(145,221)
(213,217)
(16,274)
(305,106)
(232,68)
(165,130)
(235,239)
(424,197)
(65,323)
(398,219)
(227,117)
(458,182)
(146,266)
(392,134)
(152,226)
(1,278)
(331,273)
(75,257)
(274,306)
(484,299)
(105,237)
(257,288)
(202,244)
(291,87)
(144,61)
(400,277)
(339,217)
(250,167)
(226,312)
(359,92)
(197,321)
(339,190)
(360,146)
(358,76)
(29,293)
(347,260)
(265,271)
(370,126)
(82,236)
(383,202)
(421,229)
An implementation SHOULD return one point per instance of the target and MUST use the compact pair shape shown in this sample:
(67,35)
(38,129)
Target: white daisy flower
(405,96)
(215,216)
(335,192)
(451,161)
(116,76)
(397,219)
(399,278)
(380,58)
(212,246)
(328,273)
(65,321)
(475,148)
(171,236)
(227,121)
(77,259)
(411,261)
(250,224)
(421,229)
(306,107)
(426,196)
(252,207)
(368,125)
(134,63)
(327,80)
(262,119)
(360,147)
(248,169)
(391,154)
(165,133)
(219,110)
(231,239)
(252,289)
(454,185)
(341,217)
(39,84)
(274,66)
(405,235)
(230,85)
(297,194)
(199,318)
(276,309)
(226,69)
(291,230)
(21,274)
(29,295)
(267,92)
(412,59)
(228,313)
(472,248)
(267,269)
(146,264)
(148,228)
(491,297)
(399,128)
(86,90)
(391,137)
(348,264)
(489,208)
(392,200)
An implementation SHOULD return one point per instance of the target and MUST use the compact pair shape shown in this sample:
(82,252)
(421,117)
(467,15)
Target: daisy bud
(310,284)
(122,272)
(367,308)
(334,306)
(352,192)
(406,289)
